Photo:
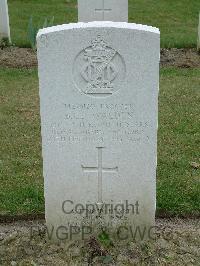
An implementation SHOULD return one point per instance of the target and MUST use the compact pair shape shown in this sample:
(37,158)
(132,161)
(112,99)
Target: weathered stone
(99,96)
(103,10)
(4,20)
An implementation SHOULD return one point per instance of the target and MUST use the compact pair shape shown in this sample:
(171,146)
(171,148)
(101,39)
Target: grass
(20,170)
(178,186)
(177,20)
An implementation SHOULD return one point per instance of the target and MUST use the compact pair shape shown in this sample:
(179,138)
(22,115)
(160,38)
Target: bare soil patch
(183,58)
(16,57)
(177,243)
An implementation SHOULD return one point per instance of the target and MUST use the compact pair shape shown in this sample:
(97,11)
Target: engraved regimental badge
(99,69)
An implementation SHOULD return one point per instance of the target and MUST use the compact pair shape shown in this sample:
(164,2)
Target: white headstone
(99,117)
(103,10)
(4,20)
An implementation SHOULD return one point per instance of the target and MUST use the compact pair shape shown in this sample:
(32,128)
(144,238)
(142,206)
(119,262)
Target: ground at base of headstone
(177,243)
(15,57)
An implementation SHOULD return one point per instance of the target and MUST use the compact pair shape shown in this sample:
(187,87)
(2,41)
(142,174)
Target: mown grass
(178,185)
(178,189)
(20,156)
(177,20)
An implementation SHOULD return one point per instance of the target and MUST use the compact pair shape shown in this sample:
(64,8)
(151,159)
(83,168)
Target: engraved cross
(103,9)
(100,170)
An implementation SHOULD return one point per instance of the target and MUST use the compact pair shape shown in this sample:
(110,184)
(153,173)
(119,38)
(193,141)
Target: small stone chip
(11,237)
(195,165)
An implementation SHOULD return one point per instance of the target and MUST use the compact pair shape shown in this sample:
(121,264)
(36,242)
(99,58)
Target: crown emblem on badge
(99,71)
(98,48)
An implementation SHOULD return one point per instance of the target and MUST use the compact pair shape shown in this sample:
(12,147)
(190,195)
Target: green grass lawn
(178,185)
(177,19)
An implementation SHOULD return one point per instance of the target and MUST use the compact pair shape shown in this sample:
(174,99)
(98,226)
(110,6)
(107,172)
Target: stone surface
(103,10)
(98,100)
(4,20)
